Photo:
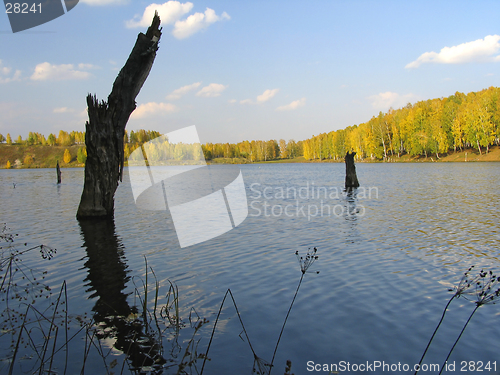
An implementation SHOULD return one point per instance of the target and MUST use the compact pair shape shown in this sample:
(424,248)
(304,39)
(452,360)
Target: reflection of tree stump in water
(107,278)
(351,179)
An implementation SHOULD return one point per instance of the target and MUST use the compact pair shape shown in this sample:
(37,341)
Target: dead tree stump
(58,170)
(351,179)
(105,128)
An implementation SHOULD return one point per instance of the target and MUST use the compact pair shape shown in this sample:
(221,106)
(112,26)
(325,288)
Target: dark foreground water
(387,257)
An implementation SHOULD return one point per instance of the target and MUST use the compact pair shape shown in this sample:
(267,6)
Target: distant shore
(48,156)
(469,155)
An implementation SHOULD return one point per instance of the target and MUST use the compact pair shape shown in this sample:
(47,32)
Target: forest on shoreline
(445,129)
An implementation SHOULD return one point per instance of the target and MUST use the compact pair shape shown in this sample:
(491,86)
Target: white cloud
(152,108)
(197,22)
(104,2)
(481,50)
(266,95)
(178,93)
(293,105)
(87,66)
(169,13)
(62,110)
(232,101)
(6,76)
(46,71)
(212,90)
(386,100)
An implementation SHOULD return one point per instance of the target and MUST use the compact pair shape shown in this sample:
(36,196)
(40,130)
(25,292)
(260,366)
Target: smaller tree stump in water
(351,179)
(58,173)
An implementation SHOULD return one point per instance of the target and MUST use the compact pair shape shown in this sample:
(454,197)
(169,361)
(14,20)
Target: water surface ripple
(385,263)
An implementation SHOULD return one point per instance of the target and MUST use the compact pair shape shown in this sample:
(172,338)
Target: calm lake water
(387,257)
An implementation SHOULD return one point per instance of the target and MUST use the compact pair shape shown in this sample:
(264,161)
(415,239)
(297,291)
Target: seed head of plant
(483,288)
(260,366)
(308,260)
(466,284)
(5,234)
(47,252)
(487,288)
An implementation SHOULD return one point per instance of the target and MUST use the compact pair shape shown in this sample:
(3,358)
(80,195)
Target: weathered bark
(58,170)
(106,127)
(351,179)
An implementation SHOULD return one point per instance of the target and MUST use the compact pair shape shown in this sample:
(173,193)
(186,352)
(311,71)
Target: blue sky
(249,70)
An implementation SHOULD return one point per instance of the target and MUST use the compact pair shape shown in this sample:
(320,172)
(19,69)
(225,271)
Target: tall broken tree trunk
(106,127)
(351,179)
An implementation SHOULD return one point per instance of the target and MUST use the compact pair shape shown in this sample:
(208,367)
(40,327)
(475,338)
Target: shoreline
(47,156)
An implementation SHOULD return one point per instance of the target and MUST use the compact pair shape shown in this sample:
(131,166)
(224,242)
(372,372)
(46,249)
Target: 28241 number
(478,366)
(22,8)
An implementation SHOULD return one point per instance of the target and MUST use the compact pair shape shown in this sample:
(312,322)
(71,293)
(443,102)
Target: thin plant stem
(432,337)
(215,325)
(458,338)
(213,332)
(87,349)
(66,327)
(145,303)
(56,331)
(52,326)
(155,309)
(11,367)
(69,340)
(284,323)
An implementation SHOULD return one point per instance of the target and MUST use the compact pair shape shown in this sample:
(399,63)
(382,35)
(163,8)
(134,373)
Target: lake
(387,257)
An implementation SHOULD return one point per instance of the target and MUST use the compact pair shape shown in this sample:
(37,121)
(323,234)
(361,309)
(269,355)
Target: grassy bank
(458,156)
(42,156)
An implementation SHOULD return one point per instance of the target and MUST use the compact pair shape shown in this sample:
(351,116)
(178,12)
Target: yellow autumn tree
(81,155)
(8,166)
(67,156)
(28,160)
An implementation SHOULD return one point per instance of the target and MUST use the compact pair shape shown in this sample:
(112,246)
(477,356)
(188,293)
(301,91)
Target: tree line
(63,139)
(430,127)
(254,150)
